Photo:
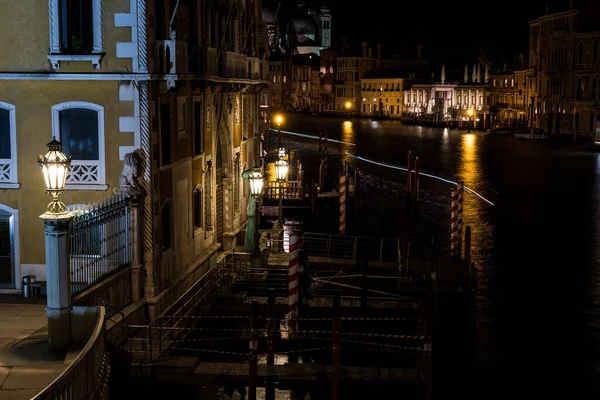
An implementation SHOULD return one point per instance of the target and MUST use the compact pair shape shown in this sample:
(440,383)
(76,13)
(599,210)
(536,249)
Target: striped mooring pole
(454,224)
(343,186)
(460,188)
(293,283)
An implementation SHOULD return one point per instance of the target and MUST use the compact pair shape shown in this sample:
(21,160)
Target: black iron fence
(100,241)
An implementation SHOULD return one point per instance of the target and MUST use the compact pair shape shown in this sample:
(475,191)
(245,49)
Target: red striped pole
(460,189)
(454,224)
(293,282)
(342,204)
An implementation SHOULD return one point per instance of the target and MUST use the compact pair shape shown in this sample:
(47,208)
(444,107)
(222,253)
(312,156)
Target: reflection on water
(543,234)
(348,137)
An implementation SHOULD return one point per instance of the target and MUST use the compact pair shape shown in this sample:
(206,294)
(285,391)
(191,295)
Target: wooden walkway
(189,370)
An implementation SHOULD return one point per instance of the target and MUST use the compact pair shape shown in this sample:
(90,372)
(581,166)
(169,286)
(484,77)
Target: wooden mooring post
(337,350)
(271,325)
(253,367)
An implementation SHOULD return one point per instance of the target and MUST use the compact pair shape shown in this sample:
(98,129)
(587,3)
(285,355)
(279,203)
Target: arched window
(166,225)
(80,127)
(208,188)
(197,201)
(8,146)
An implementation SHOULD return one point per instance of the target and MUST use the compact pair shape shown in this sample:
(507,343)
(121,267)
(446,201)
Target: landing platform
(26,366)
(188,370)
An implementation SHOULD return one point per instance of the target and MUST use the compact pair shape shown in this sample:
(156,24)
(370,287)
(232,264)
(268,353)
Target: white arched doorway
(10,265)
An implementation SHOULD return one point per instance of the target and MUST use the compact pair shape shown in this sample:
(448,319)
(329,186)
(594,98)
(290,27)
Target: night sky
(453,32)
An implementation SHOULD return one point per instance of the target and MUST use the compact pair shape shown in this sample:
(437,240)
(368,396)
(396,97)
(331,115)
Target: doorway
(7,264)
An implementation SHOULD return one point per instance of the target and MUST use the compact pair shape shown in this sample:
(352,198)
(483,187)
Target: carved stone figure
(132,167)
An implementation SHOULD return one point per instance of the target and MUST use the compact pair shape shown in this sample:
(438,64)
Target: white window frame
(100,183)
(12,182)
(56,55)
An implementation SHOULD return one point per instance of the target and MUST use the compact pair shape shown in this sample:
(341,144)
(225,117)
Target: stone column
(136,243)
(58,277)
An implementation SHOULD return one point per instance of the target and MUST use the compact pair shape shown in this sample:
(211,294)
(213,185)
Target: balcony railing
(291,190)
(87,376)
(233,65)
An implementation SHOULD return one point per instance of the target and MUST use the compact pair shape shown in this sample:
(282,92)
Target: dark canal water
(536,248)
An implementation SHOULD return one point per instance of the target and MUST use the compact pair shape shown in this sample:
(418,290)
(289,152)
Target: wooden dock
(189,370)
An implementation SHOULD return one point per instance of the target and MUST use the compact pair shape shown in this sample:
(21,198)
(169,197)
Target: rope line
(382,164)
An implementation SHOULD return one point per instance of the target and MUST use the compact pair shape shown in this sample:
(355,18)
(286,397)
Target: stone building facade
(155,77)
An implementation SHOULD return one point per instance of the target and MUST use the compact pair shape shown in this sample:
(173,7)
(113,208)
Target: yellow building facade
(145,76)
(382,97)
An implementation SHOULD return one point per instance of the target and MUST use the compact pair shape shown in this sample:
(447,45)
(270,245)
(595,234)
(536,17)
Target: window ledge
(85,187)
(8,185)
(198,231)
(95,59)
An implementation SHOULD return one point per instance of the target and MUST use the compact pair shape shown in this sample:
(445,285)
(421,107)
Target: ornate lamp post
(55,165)
(256,180)
(281,171)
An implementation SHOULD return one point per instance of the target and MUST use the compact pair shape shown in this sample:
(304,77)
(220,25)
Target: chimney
(370,52)
(419,53)
(364,49)
(378,50)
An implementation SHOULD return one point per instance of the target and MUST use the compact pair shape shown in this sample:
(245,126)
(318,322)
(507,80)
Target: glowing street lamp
(55,165)
(281,171)
(256,180)
(348,106)
(278,120)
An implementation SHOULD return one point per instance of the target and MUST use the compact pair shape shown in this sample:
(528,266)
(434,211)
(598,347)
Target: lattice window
(8,146)
(80,128)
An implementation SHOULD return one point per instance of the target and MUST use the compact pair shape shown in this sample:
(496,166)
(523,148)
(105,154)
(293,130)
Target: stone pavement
(26,366)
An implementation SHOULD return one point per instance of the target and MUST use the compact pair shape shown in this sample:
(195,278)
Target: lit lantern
(281,169)
(55,166)
(256,182)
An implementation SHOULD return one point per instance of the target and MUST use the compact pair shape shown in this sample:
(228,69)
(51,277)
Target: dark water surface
(535,248)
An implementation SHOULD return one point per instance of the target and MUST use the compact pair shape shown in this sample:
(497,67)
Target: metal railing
(87,376)
(291,190)
(350,247)
(100,241)
(168,330)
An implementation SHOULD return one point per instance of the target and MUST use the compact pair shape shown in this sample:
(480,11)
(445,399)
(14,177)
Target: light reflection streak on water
(311,136)
(421,173)
(347,136)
